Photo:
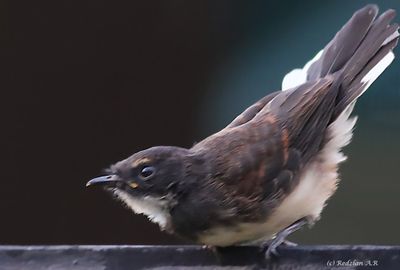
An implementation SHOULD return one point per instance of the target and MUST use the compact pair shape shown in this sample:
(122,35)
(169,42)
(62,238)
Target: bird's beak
(107,180)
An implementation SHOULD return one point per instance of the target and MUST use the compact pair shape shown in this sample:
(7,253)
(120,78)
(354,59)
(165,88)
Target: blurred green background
(86,83)
(281,35)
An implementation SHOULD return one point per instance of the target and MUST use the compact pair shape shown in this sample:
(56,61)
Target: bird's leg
(281,236)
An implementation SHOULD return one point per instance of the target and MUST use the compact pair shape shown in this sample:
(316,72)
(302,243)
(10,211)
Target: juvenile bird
(272,169)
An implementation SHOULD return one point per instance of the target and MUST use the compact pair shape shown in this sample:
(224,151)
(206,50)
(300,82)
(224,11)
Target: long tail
(361,50)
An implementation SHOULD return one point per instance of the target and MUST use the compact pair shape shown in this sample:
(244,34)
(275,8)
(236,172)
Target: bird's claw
(271,251)
(280,238)
(289,243)
(272,248)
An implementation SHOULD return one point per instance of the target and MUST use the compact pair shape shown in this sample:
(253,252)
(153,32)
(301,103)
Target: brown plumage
(276,163)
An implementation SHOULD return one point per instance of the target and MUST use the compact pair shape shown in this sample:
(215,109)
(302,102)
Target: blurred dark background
(87,83)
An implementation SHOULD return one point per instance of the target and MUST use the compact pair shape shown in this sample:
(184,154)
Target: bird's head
(149,181)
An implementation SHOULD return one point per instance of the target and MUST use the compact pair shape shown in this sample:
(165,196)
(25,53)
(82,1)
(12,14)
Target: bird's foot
(271,250)
(272,245)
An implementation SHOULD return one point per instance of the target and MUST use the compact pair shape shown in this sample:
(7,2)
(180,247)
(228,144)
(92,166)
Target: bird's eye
(147,172)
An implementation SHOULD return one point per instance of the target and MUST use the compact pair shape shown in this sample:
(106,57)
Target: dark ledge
(196,257)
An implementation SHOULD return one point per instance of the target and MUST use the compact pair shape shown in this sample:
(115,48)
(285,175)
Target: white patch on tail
(298,76)
(377,70)
(390,38)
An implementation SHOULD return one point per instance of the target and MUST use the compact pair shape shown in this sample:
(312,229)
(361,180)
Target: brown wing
(252,111)
(260,157)
(304,114)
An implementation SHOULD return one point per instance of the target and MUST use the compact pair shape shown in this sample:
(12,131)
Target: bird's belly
(317,183)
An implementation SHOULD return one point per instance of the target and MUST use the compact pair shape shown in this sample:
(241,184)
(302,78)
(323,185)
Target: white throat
(154,208)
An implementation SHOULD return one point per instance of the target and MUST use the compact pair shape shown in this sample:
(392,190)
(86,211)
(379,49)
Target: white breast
(153,208)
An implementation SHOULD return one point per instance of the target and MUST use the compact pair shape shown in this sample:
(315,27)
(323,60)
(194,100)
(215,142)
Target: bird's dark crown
(156,171)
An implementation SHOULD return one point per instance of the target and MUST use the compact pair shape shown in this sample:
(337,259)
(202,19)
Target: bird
(271,170)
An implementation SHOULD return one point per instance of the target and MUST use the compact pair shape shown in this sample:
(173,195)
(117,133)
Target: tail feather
(360,51)
(352,60)
(345,43)
(366,77)
(376,39)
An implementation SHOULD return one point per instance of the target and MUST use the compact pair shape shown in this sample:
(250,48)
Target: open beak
(106,180)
